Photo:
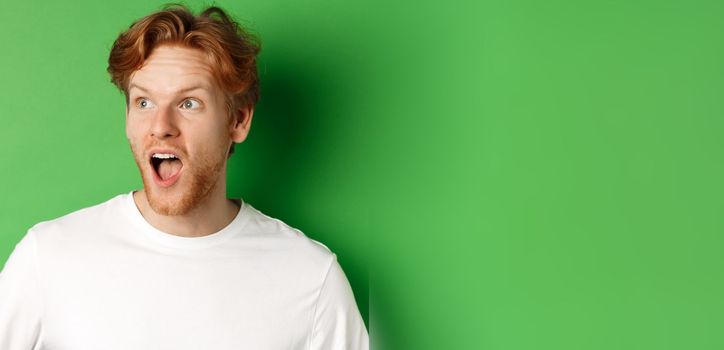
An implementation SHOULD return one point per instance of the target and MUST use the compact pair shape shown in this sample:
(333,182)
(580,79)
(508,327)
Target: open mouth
(167,167)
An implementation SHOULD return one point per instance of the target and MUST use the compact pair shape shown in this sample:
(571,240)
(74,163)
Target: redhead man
(177,265)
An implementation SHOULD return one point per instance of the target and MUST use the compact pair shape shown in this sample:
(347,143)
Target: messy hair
(230,49)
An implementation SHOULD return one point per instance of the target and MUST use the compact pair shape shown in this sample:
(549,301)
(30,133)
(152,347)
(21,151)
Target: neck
(211,215)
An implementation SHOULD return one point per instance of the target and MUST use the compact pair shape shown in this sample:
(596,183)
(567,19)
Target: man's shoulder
(76,221)
(283,235)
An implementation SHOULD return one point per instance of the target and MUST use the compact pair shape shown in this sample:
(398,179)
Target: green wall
(509,174)
(62,125)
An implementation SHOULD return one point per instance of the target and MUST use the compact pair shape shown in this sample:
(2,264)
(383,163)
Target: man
(177,265)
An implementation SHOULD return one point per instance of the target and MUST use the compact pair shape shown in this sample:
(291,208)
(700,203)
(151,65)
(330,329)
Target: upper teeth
(163,155)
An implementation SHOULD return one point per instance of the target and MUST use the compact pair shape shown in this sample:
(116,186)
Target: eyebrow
(191,88)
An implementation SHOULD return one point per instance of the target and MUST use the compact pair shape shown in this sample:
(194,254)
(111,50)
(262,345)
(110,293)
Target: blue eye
(144,103)
(190,104)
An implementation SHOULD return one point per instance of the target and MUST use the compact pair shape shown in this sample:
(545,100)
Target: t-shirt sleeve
(20,302)
(338,324)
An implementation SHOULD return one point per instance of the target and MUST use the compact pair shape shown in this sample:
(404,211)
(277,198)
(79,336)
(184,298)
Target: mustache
(176,148)
(141,151)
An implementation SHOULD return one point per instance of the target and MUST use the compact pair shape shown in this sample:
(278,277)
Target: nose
(164,124)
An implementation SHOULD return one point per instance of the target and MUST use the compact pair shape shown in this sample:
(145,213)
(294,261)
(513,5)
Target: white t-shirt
(103,278)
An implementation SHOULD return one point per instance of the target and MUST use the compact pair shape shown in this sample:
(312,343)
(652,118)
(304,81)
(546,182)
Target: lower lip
(168,182)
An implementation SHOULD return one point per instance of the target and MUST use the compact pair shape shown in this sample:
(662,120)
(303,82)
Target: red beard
(199,177)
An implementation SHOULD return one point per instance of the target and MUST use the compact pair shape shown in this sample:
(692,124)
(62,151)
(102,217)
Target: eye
(144,103)
(190,104)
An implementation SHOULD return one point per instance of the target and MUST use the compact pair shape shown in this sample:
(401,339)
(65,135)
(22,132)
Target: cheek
(222,131)
(133,127)
(221,140)
(208,140)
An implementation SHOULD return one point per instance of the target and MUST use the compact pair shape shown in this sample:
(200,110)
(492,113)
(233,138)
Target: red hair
(230,49)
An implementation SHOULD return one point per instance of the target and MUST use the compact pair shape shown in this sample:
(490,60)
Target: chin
(183,197)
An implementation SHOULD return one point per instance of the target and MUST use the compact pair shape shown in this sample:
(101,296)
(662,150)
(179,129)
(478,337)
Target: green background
(492,175)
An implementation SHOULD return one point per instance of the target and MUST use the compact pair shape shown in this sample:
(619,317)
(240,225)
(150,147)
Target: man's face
(179,129)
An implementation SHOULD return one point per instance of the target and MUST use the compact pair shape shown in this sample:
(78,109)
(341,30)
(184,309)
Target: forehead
(173,68)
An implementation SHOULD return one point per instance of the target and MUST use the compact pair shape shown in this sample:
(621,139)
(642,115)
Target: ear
(241,123)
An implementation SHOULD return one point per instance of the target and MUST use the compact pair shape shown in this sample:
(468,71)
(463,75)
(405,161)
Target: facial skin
(176,107)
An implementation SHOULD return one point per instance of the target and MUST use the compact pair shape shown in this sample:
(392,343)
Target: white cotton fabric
(103,278)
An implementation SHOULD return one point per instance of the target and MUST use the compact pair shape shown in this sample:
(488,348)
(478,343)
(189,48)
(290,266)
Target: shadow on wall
(269,160)
(287,144)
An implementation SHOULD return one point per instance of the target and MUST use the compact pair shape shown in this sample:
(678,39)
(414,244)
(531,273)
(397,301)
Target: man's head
(191,86)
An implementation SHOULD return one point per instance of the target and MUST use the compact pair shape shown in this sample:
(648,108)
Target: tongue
(169,168)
